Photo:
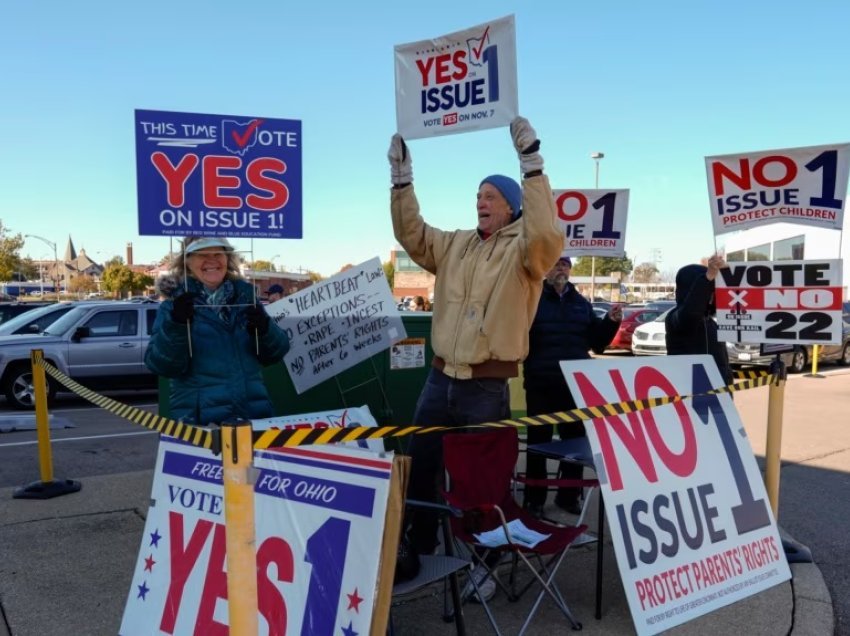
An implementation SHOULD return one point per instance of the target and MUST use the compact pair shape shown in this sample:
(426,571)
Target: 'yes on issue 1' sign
(458,82)
(218,175)
(691,523)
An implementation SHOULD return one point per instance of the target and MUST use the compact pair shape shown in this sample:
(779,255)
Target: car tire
(19,389)
(798,361)
(844,360)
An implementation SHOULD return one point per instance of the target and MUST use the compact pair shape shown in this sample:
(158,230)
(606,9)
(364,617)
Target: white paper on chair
(520,533)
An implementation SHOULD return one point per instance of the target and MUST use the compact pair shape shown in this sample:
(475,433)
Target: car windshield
(663,316)
(66,322)
(13,324)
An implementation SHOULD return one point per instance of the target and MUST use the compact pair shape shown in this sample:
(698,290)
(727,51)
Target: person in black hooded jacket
(690,326)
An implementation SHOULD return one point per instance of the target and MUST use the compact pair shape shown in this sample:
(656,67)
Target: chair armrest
(431,505)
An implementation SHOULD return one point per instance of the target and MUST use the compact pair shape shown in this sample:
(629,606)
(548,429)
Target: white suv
(100,345)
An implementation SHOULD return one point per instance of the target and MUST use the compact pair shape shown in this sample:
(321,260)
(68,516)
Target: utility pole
(55,261)
(596,156)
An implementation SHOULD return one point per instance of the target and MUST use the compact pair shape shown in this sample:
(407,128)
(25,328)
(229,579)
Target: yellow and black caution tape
(192,434)
(308,436)
(204,438)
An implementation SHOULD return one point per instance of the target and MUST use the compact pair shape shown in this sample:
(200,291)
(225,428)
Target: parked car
(35,321)
(649,339)
(633,317)
(600,311)
(661,304)
(13,309)
(100,345)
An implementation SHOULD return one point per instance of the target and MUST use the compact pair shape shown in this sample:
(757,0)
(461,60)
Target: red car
(633,317)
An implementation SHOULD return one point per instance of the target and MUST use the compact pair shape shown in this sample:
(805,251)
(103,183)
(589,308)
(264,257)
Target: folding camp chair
(480,469)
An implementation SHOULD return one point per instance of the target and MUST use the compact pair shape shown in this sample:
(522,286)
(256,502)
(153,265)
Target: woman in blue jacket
(212,338)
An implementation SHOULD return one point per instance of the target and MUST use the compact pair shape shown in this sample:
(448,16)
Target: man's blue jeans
(445,401)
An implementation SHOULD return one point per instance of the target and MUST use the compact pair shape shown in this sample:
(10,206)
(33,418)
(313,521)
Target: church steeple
(70,252)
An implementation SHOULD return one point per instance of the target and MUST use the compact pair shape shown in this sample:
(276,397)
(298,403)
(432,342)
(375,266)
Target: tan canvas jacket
(486,291)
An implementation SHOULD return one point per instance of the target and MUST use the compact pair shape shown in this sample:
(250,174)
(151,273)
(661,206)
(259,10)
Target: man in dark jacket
(564,328)
(690,326)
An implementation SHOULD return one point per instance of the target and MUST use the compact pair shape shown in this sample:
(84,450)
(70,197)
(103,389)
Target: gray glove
(527,145)
(401,167)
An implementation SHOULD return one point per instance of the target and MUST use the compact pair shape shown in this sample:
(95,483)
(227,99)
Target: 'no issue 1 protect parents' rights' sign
(691,523)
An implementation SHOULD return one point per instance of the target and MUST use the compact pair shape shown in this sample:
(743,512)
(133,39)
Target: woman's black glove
(256,319)
(184,308)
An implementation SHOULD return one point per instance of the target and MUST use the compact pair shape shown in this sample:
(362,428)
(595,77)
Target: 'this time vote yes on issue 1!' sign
(792,185)
(337,323)
(594,221)
(780,302)
(218,175)
(458,82)
(691,523)
(319,522)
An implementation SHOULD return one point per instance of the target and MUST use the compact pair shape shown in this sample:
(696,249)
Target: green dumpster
(388,383)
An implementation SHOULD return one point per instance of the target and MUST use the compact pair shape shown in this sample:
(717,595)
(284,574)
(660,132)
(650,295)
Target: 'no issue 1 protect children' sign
(594,221)
(320,517)
(792,185)
(691,523)
(218,175)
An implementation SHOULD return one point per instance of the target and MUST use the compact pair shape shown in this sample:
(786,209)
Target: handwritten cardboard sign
(337,323)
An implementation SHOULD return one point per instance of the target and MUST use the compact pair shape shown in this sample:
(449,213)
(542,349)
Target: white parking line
(76,439)
(97,408)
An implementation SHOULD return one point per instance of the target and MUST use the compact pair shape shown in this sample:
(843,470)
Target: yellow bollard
(47,487)
(773,451)
(815,355)
(238,461)
(42,419)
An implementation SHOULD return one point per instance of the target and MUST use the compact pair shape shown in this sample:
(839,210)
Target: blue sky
(656,86)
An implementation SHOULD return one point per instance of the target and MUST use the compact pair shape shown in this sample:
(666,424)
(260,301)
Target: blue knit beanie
(509,189)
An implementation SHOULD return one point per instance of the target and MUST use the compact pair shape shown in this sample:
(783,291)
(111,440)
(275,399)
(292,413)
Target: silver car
(100,345)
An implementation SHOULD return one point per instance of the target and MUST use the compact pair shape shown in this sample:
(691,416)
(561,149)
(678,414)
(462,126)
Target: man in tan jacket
(488,282)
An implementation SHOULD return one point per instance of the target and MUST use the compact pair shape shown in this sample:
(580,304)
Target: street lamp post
(274,267)
(596,156)
(55,261)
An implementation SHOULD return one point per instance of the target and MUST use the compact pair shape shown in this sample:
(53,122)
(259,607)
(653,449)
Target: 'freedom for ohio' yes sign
(792,185)
(458,82)
(780,302)
(594,221)
(691,523)
(218,175)
(319,521)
